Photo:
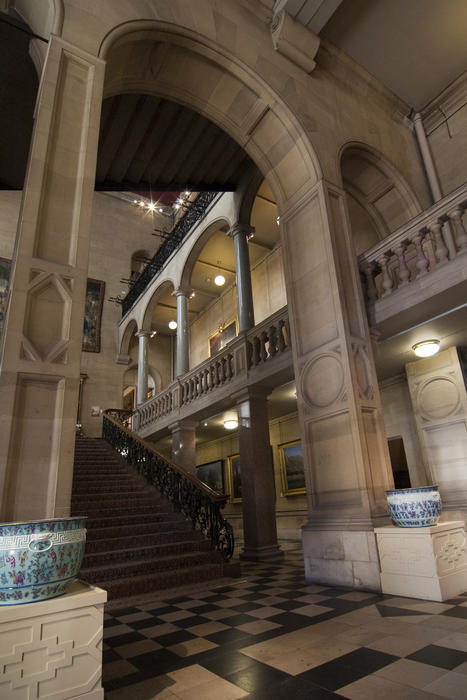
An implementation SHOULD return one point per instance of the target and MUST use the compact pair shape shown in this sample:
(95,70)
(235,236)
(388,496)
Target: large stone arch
(157,58)
(131,327)
(376,188)
(152,302)
(197,247)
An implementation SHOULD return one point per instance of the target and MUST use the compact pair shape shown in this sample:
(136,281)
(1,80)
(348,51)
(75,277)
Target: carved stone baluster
(224,369)
(441,250)
(459,229)
(422,262)
(256,350)
(369,270)
(264,340)
(249,354)
(272,341)
(230,373)
(217,379)
(404,272)
(207,375)
(387,282)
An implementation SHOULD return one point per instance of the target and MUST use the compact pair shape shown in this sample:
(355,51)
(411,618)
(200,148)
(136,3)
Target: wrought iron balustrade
(191,217)
(433,239)
(188,495)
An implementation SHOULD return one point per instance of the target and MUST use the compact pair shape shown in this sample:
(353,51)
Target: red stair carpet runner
(135,542)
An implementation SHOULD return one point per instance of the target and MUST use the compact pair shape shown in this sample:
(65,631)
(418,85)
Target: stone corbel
(294,41)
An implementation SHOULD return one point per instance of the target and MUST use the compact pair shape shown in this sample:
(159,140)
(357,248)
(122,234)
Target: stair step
(140,540)
(100,533)
(128,569)
(117,509)
(123,556)
(137,585)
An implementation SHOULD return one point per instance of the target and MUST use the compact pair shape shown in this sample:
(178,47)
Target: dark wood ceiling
(149,143)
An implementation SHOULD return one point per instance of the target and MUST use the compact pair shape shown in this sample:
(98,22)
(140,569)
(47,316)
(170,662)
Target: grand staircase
(136,543)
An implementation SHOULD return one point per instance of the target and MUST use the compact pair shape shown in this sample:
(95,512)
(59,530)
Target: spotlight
(219,280)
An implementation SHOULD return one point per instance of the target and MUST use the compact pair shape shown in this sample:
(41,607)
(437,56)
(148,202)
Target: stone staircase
(135,542)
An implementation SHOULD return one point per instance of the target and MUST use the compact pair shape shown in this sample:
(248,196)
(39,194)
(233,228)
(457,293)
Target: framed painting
(5,267)
(92,315)
(291,466)
(219,339)
(235,478)
(212,474)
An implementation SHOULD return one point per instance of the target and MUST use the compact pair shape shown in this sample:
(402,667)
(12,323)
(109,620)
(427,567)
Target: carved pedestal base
(53,648)
(423,562)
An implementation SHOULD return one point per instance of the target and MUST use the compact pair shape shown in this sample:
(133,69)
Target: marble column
(142,388)
(39,381)
(184,444)
(246,318)
(258,488)
(182,348)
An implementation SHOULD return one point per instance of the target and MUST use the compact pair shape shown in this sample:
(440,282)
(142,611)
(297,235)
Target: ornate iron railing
(191,217)
(188,495)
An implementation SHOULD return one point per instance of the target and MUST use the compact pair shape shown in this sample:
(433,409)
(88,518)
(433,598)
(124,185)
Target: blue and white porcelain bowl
(39,558)
(419,507)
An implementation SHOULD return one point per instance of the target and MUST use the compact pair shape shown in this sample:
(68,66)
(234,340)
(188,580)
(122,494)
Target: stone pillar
(40,367)
(142,388)
(184,444)
(246,318)
(182,350)
(439,402)
(258,488)
(347,466)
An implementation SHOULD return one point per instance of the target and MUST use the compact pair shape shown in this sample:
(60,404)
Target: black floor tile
(162,611)
(238,619)
(222,664)
(257,676)
(443,657)
(200,609)
(294,689)
(158,662)
(111,622)
(126,638)
(231,635)
(388,611)
(109,655)
(124,611)
(167,640)
(147,622)
(246,607)
(291,621)
(348,668)
(458,611)
(192,621)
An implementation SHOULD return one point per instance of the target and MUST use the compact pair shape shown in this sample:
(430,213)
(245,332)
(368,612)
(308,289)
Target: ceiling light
(151,206)
(160,210)
(186,193)
(231,424)
(152,334)
(172,325)
(141,203)
(176,206)
(426,348)
(219,280)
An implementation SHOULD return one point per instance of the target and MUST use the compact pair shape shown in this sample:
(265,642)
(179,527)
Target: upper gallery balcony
(419,271)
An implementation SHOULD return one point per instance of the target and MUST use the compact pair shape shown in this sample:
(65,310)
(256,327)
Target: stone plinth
(423,562)
(53,648)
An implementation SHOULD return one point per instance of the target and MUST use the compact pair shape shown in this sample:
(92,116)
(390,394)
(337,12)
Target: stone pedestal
(53,648)
(423,562)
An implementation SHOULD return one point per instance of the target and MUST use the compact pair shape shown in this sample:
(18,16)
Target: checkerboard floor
(269,635)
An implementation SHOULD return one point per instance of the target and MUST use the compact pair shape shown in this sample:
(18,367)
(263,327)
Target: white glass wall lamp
(426,348)
(231,424)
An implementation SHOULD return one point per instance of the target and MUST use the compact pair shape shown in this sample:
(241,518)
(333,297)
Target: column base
(424,562)
(261,553)
(341,557)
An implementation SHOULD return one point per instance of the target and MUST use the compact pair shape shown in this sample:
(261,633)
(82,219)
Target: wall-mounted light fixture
(172,325)
(426,348)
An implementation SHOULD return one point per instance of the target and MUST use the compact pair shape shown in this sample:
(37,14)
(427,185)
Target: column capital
(143,334)
(238,228)
(251,392)
(182,292)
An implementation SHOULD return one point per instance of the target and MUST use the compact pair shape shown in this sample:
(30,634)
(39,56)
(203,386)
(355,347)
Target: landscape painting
(92,315)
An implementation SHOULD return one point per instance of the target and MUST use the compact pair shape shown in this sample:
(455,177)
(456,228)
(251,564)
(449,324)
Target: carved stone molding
(323,380)
(294,41)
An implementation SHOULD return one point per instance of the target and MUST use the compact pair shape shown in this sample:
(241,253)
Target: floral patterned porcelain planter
(420,507)
(39,558)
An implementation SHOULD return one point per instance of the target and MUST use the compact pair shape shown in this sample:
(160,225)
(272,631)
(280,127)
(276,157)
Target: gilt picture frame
(291,468)
(212,474)
(234,478)
(218,340)
(95,290)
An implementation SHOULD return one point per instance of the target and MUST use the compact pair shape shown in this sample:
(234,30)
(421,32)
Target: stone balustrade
(250,357)
(433,239)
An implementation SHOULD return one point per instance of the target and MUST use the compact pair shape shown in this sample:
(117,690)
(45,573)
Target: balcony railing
(191,217)
(250,354)
(433,239)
